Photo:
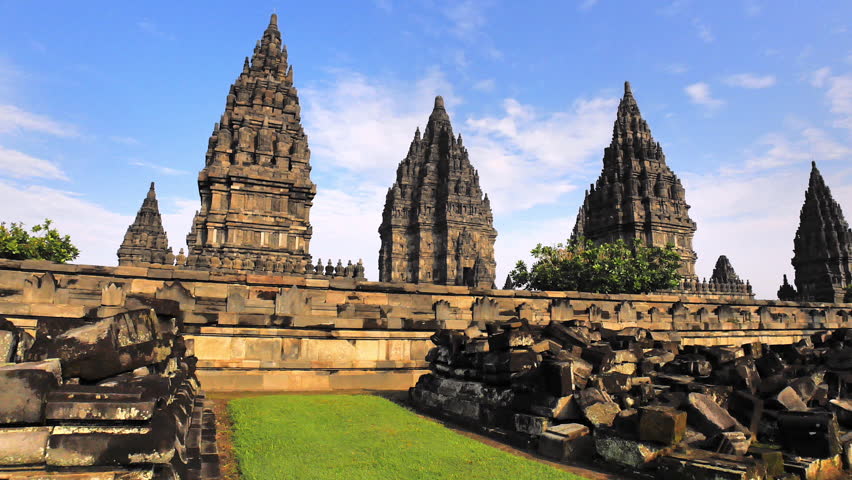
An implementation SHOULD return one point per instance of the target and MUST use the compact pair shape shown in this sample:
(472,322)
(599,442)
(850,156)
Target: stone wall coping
(348,284)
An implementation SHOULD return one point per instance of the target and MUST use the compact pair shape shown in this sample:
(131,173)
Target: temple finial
(273,20)
(151,192)
(627,90)
(439,102)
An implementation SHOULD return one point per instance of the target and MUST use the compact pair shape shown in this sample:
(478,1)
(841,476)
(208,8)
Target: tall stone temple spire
(637,195)
(145,241)
(437,226)
(822,248)
(256,191)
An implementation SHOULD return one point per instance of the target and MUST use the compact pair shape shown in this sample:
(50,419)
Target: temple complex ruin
(101,366)
(637,195)
(256,191)
(437,226)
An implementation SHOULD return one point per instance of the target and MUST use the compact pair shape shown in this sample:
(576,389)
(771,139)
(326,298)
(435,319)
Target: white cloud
(699,93)
(159,168)
(750,80)
(676,68)
(96,231)
(703,31)
(20,165)
(532,156)
(467,17)
(154,30)
(485,85)
(14,120)
(586,5)
(361,124)
(819,77)
(124,140)
(384,5)
(177,215)
(839,96)
(753,7)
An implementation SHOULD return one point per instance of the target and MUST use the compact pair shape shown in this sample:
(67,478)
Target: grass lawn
(361,437)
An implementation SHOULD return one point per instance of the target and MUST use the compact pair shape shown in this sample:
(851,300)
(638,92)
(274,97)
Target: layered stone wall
(301,333)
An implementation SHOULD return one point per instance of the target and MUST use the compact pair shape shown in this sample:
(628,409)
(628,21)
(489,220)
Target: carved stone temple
(822,248)
(256,191)
(723,271)
(637,195)
(145,241)
(437,226)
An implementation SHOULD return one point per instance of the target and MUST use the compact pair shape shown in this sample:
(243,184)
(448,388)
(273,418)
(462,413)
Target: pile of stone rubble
(108,398)
(644,403)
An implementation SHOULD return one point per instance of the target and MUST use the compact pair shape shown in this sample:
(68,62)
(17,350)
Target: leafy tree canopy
(584,266)
(41,243)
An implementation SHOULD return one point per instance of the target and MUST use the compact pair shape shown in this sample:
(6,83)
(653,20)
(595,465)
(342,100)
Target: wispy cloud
(703,31)
(485,85)
(750,80)
(675,68)
(838,94)
(154,30)
(384,5)
(124,140)
(587,4)
(159,168)
(699,94)
(467,17)
(20,165)
(15,120)
(95,230)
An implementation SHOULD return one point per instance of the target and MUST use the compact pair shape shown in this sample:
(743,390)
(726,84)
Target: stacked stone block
(644,403)
(106,398)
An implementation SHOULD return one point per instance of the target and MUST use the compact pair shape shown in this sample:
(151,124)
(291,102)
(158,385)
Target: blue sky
(99,98)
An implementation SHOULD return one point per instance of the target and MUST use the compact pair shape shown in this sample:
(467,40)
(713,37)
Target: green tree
(44,243)
(615,267)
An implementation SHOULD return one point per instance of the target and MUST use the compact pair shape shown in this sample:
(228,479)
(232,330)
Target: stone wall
(304,333)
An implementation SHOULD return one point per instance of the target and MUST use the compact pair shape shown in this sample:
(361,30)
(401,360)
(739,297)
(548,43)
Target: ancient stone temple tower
(145,241)
(437,225)
(256,190)
(637,195)
(724,272)
(822,248)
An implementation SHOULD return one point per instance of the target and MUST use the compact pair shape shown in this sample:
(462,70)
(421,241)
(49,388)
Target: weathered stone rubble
(108,398)
(643,402)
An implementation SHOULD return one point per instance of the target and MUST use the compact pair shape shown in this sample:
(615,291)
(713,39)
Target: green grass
(361,437)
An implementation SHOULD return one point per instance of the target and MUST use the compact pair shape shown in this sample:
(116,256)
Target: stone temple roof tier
(437,225)
(637,195)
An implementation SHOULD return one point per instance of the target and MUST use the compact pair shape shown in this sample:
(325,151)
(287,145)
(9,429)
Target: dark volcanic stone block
(809,434)
(707,416)
(664,425)
(570,441)
(23,389)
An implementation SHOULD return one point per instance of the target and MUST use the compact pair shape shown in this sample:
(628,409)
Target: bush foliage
(584,266)
(42,243)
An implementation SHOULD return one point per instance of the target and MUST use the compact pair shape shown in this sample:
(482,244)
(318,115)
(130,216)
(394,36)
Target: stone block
(531,424)
(664,425)
(570,441)
(23,391)
(109,346)
(23,446)
(810,434)
(616,449)
(703,465)
(706,416)
(806,468)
